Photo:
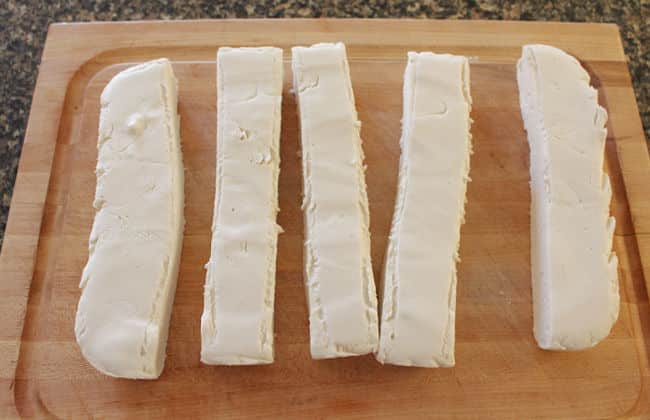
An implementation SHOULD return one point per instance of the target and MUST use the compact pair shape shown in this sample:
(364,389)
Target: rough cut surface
(419,294)
(338,271)
(574,270)
(237,320)
(135,244)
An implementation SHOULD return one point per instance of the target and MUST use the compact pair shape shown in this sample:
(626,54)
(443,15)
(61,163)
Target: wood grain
(500,372)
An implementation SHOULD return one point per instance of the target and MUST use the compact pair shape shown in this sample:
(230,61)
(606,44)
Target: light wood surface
(499,371)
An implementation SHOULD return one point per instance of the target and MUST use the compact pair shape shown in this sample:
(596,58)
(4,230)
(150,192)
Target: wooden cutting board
(499,373)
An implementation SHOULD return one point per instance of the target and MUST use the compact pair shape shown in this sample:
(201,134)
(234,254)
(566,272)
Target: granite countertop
(24,23)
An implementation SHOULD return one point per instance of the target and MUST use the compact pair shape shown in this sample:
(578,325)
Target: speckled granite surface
(23,26)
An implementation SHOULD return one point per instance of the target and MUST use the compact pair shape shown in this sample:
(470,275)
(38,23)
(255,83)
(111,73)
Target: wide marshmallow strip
(574,271)
(135,243)
(419,293)
(338,271)
(237,321)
